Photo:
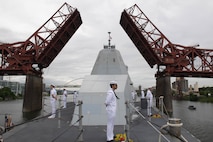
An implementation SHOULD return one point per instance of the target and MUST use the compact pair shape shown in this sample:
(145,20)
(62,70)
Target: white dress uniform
(111,106)
(133,95)
(142,94)
(149,98)
(65,98)
(75,97)
(53,102)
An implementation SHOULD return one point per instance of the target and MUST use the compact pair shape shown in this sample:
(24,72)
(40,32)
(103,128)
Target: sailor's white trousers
(110,124)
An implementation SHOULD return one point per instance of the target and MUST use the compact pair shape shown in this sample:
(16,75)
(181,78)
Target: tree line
(6,94)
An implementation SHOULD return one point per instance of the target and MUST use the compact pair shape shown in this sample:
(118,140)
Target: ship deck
(142,129)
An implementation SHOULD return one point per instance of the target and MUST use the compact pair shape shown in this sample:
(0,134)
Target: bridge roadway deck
(47,130)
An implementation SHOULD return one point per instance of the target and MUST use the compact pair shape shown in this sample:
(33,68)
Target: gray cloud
(183,22)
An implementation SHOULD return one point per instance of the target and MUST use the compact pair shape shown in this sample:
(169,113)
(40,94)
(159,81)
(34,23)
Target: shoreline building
(16,87)
(180,84)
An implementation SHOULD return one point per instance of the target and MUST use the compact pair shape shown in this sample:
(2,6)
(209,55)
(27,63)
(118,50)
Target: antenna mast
(109,39)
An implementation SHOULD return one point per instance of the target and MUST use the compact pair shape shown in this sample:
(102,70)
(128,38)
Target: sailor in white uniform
(111,106)
(65,98)
(142,94)
(53,99)
(149,98)
(75,97)
(133,93)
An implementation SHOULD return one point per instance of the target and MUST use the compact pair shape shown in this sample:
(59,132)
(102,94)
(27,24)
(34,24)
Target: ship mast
(109,39)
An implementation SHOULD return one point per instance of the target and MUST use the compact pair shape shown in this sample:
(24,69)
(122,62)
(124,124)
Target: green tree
(205,91)
(193,97)
(6,93)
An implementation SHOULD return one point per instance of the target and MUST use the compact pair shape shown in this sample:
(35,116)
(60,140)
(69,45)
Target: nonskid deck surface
(142,129)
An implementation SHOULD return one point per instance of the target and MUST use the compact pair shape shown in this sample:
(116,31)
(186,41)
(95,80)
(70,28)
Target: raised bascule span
(172,60)
(41,48)
(38,51)
(157,49)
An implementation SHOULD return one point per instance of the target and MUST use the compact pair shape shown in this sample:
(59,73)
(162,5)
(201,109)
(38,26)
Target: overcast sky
(185,22)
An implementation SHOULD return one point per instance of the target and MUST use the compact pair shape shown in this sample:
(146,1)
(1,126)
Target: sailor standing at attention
(142,94)
(111,105)
(65,98)
(53,99)
(149,98)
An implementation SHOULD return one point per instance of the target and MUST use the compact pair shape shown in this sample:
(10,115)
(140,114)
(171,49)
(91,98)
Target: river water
(14,108)
(199,122)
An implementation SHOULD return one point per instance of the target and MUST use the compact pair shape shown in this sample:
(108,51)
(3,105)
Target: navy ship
(86,121)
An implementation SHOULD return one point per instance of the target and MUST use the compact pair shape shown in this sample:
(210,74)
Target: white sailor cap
(112,82)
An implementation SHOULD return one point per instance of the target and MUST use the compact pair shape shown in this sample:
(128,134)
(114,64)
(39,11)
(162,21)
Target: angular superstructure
(109,66)
(109,62)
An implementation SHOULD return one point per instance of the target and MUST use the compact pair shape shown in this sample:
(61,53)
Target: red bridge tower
(38,51)
(171,59)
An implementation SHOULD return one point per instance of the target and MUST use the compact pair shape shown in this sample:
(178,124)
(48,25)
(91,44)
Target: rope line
(149,122)
(181,138)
